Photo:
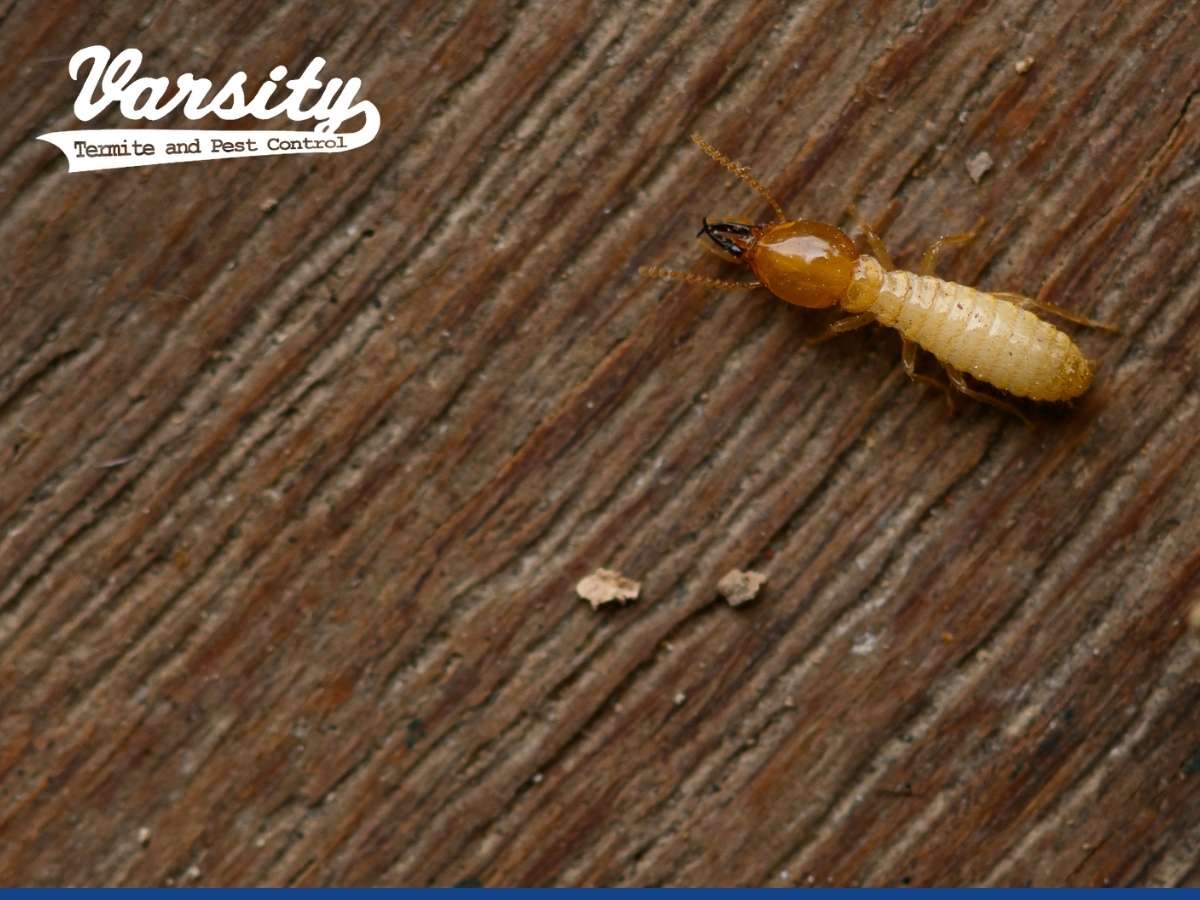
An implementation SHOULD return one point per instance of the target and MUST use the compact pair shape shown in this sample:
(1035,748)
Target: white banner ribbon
(90,150)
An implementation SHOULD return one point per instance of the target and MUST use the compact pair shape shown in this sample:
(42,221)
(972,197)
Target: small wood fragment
(606,586)
(1024,65)
(979,165)
(739,587)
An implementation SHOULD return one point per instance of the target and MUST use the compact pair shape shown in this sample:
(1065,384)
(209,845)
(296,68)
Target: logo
(110,81)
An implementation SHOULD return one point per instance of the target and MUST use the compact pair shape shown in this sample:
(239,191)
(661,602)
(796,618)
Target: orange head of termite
(803,262)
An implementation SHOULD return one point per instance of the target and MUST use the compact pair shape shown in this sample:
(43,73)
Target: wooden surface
(304,456)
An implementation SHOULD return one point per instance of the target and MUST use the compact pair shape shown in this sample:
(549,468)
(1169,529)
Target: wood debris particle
(680,698)
(143,836)
(113,463)
(606,586)
(740,587)
(1024,65)
(979,165)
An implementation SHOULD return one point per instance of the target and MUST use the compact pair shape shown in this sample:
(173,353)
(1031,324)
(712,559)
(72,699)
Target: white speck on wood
(864,643)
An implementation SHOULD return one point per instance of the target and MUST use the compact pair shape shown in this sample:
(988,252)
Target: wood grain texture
(303,457)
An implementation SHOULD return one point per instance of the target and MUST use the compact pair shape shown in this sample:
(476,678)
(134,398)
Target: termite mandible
(990,336)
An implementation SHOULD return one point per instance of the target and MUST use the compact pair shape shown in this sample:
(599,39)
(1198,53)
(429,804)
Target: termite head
(803,262)
(733,240)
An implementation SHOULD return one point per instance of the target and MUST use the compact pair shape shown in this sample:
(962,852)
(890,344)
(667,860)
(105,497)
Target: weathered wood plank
(305,455)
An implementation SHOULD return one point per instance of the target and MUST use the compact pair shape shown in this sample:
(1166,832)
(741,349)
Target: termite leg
(930,257)
(1030,303)
(960,385)
(693,278)
(908,356)
(841,326)
(874,241)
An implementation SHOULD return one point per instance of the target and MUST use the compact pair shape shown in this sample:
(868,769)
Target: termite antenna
(693,278)
(741,172)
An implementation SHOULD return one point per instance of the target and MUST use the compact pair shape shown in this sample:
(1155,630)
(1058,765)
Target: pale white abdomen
(987,337)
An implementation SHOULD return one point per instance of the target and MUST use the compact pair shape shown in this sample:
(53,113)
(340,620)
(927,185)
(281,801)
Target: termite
(993,337)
